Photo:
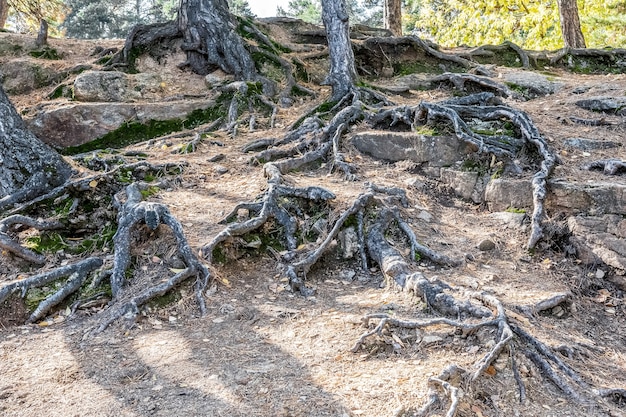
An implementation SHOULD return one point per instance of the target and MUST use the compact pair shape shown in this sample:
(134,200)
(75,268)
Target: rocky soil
(265,351)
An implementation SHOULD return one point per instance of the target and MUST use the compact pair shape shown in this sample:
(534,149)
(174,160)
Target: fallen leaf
(93,183)
(491,371)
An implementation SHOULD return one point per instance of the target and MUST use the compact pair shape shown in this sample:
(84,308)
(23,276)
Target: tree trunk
(211,39)
(342,74)
(570,24)
(42,35)
(392,18)
(28,167)
(4,12)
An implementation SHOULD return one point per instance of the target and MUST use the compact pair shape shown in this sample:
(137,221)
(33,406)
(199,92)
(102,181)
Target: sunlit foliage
(533,24)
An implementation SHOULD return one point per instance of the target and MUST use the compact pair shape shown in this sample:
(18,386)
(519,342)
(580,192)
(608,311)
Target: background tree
(532,24)
(342,74)
(240,8)
(392,16)
(570,24)
(28,14)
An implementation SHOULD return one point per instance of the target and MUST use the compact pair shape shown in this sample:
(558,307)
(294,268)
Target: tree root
(77,275)
(607,166)
(500,146)
(460,81)
(135,211)
(18,221)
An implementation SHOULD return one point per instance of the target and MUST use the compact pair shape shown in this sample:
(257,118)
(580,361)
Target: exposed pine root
(608,166)
(135,211)
(10,245)
(77,272)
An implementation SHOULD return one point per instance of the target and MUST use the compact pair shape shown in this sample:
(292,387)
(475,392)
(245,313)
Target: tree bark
(42,35)
(342,74)
(28,167)
(211,39)
(392,18)
(570,24)
(4,12)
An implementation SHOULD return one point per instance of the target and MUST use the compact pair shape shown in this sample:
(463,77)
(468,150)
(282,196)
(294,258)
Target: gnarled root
(135,211)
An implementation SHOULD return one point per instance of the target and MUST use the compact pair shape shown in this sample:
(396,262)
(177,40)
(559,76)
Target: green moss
(133,132)
(46,242)
(46,53)
(34,296)
(515,210)
(506,58)
(149,192)
(165,300)
(427,130)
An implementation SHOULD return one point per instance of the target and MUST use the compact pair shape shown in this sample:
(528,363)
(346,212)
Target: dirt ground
(264,351)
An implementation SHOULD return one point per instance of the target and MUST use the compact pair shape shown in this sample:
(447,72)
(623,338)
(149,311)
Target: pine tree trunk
(4,12)
(570,24)
(28,167)
(392,18)
(211,39)
(42,35)
(342,74)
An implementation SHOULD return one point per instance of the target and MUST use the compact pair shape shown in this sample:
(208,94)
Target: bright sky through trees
(266,8)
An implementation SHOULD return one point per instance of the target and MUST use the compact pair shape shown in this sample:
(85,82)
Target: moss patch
(133,132)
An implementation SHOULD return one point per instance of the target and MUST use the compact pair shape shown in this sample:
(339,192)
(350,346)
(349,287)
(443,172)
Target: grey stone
(436,151)
(77,123)
(426,216)
(468,185)
(508,219)
(115,86)
(21,76)
(217,78)
(536,85)
(590,144)
(615,105)
(486,245)
(220,169)
(590,197)
(347,275)
(108,86)
(503,193)
(349,242)
(600,235)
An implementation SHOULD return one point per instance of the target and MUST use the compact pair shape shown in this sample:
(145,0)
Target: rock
(217,78)
(436,151)
(532,83)
(115,86)
(101,86)
(509,220)
(600,235)
(616,105)
(220,169)
(21,76)
(426,216)
(347,275)
(431,339)
(594,198)
(468,185)
(78,123)
(590,144)
(503,193)
(486,245)
(349,242)
(216,158)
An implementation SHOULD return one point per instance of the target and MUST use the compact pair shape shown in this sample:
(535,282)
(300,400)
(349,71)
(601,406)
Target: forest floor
(265,351)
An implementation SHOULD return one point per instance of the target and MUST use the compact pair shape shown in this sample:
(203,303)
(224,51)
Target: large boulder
(114,86)
(616,105)
(436,151)
(75,124)
(21,76)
